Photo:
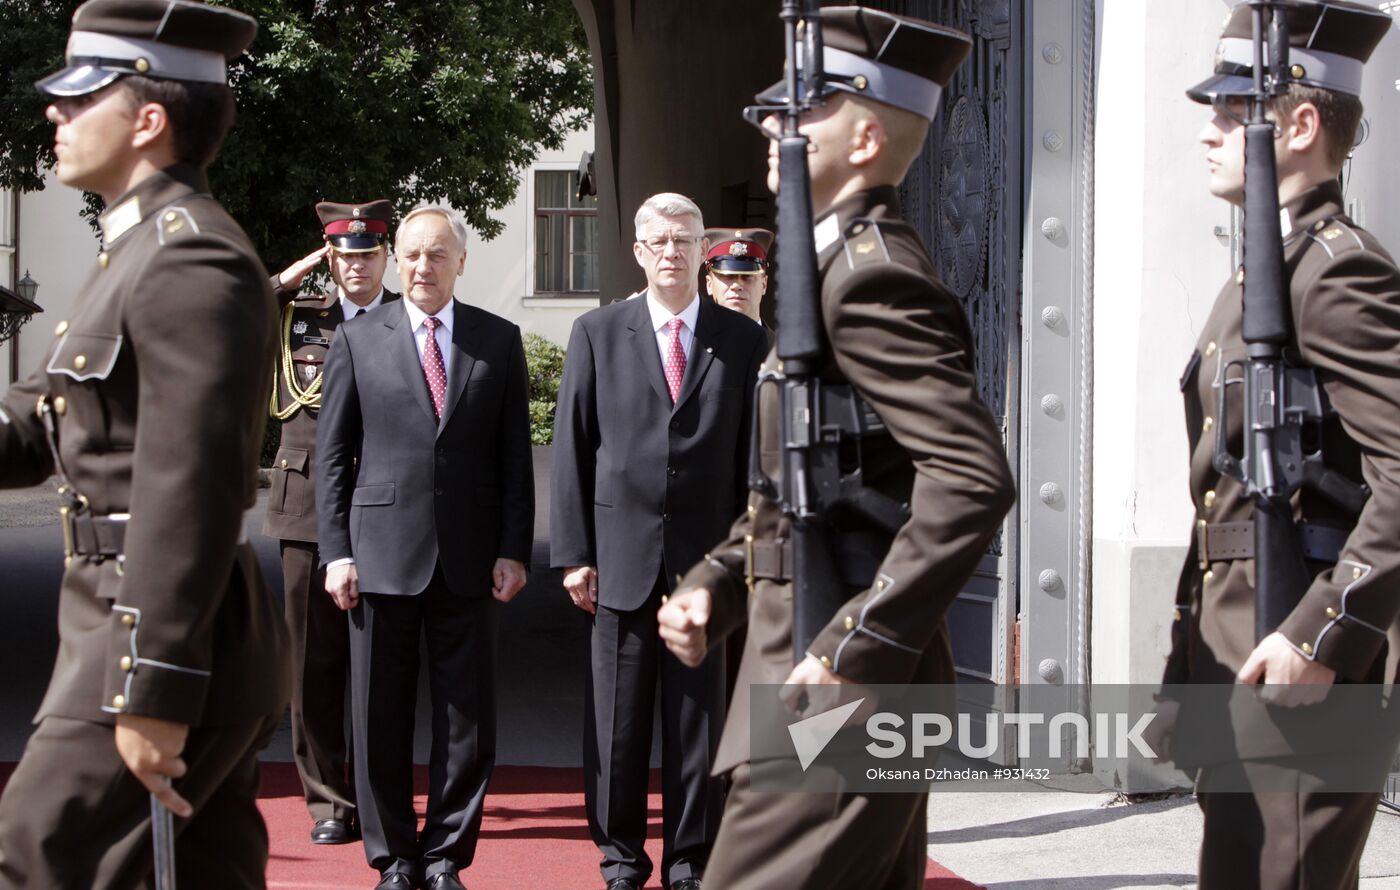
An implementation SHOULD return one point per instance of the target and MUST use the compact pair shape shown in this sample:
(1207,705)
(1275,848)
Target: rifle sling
(1225,541)
(858,558)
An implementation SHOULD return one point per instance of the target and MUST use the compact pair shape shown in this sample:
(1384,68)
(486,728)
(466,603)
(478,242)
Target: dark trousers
(73,817)
(1277,840)
(819,840)
(627,657)
(461,640)
(320,670)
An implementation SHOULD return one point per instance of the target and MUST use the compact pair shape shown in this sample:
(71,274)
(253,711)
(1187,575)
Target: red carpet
(534,836)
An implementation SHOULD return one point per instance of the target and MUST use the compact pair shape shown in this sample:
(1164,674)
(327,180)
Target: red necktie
(675,360)
(432,366)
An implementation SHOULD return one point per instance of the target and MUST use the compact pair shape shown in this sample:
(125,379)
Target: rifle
(1278,397)
(815,418)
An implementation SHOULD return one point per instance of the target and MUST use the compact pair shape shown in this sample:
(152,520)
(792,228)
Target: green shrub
(545,362)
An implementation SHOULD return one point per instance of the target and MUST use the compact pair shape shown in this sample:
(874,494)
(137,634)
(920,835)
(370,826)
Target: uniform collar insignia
(120,219)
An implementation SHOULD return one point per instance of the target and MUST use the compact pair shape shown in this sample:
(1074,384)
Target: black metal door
(964,197)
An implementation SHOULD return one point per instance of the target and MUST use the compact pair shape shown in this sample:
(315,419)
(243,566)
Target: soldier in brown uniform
(1345,295)
(149,406)
(736,268)
(357,237)
(902,340)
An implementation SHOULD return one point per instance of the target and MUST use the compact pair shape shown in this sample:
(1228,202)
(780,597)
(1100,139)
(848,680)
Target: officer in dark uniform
(149,407)
(893,330)
(736,268)
(356,246)
(1345,295)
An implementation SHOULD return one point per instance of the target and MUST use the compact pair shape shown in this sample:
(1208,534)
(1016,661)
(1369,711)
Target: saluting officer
(1345,295)
(901,339)
(736,268)
(149,406)
(356,246)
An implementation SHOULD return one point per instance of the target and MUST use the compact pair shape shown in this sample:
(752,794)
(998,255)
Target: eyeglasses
(682,242)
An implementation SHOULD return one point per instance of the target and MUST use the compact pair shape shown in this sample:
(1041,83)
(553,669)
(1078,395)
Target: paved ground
(1005,840)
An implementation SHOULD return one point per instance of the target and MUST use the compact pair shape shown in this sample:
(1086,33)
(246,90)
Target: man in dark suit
(900,339)
(651,443)
(357,250)
(425,502)
(149,406)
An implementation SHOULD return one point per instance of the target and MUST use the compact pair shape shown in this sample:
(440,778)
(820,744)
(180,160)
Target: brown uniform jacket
(159,383)
(1345,293)
(291,504)
(903,341)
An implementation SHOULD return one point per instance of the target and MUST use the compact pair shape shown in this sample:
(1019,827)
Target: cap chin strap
(1330,71)
(160,59)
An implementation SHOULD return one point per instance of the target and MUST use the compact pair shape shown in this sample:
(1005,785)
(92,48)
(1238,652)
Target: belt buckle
(1202,545)
(748,562)
(68,514)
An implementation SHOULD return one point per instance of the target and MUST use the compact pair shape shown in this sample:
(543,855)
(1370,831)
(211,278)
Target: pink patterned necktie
(432,366)
(675,360)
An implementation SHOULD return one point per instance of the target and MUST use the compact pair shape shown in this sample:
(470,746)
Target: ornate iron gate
(964,196)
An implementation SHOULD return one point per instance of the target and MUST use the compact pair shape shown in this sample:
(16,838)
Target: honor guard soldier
(356,247)
(149,407)
(893,329)
(1344,295)
(736,268)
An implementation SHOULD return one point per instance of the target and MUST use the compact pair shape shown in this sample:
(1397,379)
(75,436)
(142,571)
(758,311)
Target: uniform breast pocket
(290,486)
(85,355)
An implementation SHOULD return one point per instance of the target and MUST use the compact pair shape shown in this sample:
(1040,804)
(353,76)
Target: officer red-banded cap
(355,228)
(894,59)
(1329,43)
(738,251)
(167,39)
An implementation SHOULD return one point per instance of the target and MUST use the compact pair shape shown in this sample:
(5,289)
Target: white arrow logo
(812,735)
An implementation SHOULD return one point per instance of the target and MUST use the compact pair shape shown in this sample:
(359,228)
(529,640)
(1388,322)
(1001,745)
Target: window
(566,235)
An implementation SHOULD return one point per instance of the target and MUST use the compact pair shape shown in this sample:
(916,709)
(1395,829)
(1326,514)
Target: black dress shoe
(443,880)
(686,884)
(394,880)
(624,884)
(331,831)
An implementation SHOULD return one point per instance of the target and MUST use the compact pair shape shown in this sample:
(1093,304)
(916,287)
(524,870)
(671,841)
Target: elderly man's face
(669,251)
(429,260)
(359,274)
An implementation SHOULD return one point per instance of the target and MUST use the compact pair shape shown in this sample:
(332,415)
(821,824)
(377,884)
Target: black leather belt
(858,558)
(1222,541)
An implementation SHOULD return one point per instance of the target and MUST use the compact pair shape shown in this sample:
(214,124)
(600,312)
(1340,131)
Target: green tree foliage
(545,362)
(413,100)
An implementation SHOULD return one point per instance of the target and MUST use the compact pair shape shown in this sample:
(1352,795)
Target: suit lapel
(644,344)
(405,355)
(702,349)
(463,357)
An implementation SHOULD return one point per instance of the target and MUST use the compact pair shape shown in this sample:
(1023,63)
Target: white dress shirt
(349,309)
(446,314)
(661,317)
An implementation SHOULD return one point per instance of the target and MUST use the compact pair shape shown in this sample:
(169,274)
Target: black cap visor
(77,80)
(737,265)
(356,243)
(1207,90)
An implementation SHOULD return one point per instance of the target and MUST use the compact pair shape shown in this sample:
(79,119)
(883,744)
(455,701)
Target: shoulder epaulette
(175,222)
(1335,234)
(864,244)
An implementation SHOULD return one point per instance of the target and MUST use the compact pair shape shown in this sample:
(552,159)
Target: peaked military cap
(355,228)
(168,39)
(738,251)
(893,59)
(1328,45)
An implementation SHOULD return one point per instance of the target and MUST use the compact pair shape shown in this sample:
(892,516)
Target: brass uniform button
(142,66)
(880,586)
(1239,276)
(1209,500)
(128,619)
(1210,349)
(1307,648)
(1208,424)
(61,329)
(125,663)
(284,463)
(80,362)
(119,701)
(1331,612)
(860,82)
(850,623)
(1176,614)
(104,259)
(171,216)
(1355,572)
(826,662)
(60,406)
(753,511)
(1298,72)
(1319,225)
(1209,576)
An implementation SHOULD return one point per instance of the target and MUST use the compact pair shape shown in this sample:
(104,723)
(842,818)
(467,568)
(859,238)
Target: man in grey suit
(651,441)
(424,492)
